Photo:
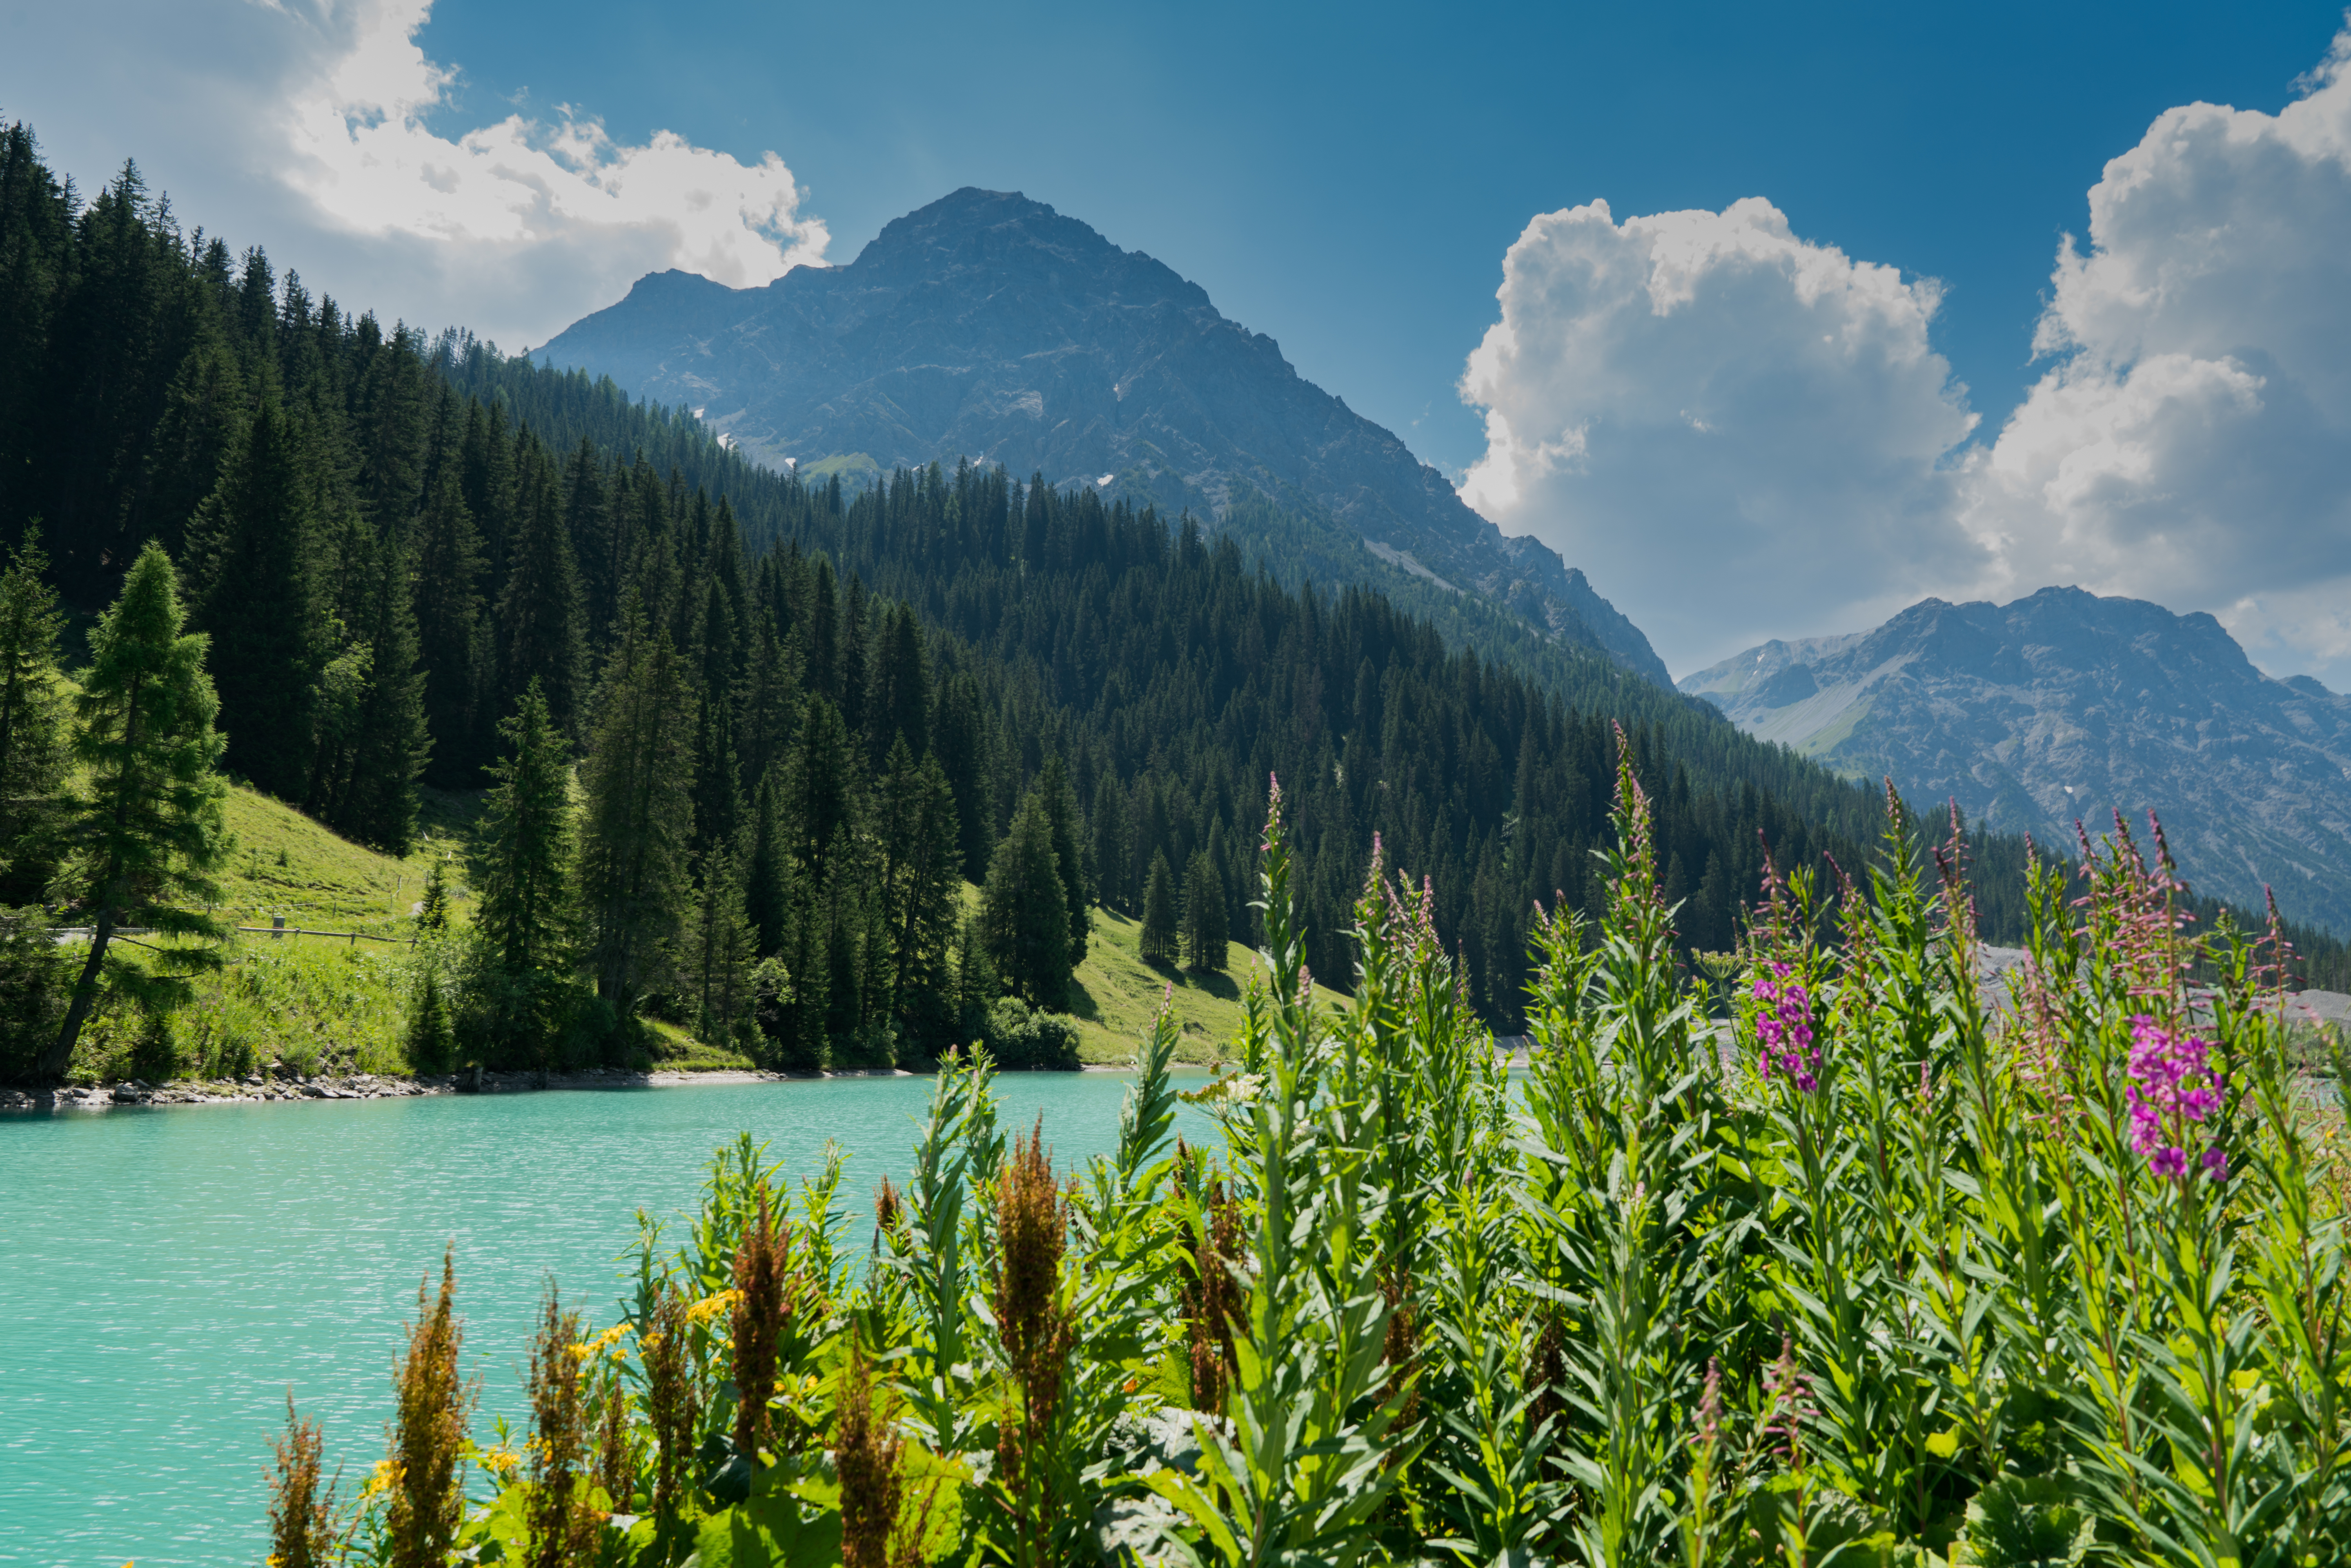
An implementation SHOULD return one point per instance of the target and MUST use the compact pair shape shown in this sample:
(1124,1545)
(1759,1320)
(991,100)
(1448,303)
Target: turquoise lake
(172,1273)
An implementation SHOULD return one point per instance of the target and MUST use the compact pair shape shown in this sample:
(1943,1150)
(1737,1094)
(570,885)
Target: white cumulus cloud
(1728,426)
(1742,434)
(2191,442)
(311,127)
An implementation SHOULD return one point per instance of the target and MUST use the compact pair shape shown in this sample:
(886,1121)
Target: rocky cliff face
(988,326)
(2067,705)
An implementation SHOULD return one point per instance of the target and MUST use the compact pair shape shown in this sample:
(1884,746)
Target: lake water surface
(168,1275)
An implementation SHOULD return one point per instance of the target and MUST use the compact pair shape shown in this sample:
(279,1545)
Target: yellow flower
(709,1306)
(382,1478)
(588,1350)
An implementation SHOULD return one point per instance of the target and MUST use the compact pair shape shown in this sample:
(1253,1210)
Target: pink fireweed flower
(2172,1087)
(1783,1028)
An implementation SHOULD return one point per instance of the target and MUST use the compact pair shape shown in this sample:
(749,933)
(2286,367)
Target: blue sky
(1841,229)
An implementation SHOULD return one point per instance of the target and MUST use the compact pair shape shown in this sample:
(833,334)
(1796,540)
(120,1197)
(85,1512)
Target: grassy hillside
(334,1003)
(1116,995)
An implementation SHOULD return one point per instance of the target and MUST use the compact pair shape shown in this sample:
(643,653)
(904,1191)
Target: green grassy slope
(1115,996)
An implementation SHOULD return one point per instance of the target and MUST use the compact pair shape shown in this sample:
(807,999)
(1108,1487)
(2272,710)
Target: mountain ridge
(988,326)
(2064,705)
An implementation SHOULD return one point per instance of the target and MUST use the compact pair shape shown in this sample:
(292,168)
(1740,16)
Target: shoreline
(134,1093)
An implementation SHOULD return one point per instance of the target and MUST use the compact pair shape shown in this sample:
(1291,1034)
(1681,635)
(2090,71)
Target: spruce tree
(900,704)
(1157,943)
(964,746)
(378,803)
(720,947)
(32,724)
(1070,851)
(768,879)
(1024,911)
(524,881)
(921,890)
(452,642)
(637,831)
(144,831)
(256,597)
(1204,915)
(433,909)
(542,613)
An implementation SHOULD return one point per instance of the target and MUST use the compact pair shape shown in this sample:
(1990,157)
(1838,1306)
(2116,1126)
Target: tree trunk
(52,1069)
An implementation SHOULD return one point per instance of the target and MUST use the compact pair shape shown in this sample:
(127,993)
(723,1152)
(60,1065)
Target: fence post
(278,928)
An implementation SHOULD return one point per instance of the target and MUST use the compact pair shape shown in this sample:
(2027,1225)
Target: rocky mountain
(990,327)
(2065,706)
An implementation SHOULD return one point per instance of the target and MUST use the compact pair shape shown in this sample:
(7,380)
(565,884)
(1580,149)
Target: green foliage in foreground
(1898,1280)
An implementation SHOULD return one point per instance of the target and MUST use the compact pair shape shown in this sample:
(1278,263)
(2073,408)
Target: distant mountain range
(990,327)
(2064,705)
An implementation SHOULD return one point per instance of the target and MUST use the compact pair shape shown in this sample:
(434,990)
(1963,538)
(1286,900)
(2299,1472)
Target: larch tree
(144,829)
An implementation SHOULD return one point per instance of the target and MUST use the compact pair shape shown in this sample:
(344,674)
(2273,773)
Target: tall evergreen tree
(900,703)
(1070,851)
(32,724)
(964,747)
(452,642)
(1158,942)
(720,946)
(144,829)
(256,597)
(921,890)
(1205,932)
(1024,913)
(637,832)
(542,616)
(378,805)
(526,838)
(770,880)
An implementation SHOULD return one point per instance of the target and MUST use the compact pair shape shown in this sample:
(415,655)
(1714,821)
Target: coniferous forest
(748,739)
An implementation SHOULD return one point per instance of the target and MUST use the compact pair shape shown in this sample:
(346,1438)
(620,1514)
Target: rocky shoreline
(254,1089)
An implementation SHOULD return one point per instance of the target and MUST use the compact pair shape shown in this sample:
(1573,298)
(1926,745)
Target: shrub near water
(1897,1278)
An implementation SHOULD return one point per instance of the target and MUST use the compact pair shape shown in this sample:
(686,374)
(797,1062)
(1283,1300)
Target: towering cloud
(1725,424)
(1745,435)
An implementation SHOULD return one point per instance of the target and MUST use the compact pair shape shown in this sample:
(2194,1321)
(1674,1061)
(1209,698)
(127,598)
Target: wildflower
(428,1439)
(381,1480)
(1792,1404)
(670,1397)
(764,1298)
(1031,1224)
(588,1350)
(300,1511)
(2172,1087)
(709,1306)
(1783,1028)
(561,1531)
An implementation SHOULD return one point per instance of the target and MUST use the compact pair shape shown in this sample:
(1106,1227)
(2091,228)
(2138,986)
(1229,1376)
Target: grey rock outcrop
(2067,705)
(991,327)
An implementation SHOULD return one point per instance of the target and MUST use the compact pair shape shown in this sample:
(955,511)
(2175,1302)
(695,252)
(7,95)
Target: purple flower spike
(2216,1163)
(2168,1161)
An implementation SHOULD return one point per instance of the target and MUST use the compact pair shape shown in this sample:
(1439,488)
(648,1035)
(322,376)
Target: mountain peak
(988,325)
(2066,704)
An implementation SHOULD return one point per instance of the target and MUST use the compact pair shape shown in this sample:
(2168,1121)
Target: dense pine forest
(746,737)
